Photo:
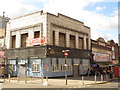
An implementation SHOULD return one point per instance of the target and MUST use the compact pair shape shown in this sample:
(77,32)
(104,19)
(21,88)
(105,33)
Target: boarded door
(75,70)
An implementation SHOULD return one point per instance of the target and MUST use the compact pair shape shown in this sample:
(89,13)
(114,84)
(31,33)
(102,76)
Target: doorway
(76,70)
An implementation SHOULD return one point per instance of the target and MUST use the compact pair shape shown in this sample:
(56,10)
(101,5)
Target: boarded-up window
(37,34)
(24,40)
(62,40)
(53,39)
(87,44)
(13,41)
(80,43)
(72,41)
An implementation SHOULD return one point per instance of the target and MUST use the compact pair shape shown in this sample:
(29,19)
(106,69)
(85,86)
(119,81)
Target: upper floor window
(24,40)
(37,34)
(62,40)
(13,41)
(72,41)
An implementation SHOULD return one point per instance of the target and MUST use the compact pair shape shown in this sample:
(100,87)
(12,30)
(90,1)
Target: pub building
(102,54)
(35,43)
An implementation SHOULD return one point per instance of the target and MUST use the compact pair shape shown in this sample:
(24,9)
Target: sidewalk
(59,82)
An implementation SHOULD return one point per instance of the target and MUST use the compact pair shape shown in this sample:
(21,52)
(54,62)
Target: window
(72,41)
(81,43)
(62,40)
(87,43)
(69,68)
(54,68)
(13,41)
(24,40)
(37,34)
(53,39)
(35,68)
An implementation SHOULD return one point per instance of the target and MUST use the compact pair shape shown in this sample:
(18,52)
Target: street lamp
(65,54)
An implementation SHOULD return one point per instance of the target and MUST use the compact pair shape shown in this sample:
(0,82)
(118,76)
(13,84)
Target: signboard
(22,61)
(12,62)
(102,57)
(37,41)
(2,54)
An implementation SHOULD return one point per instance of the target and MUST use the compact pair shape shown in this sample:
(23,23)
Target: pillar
(85,42)
(56,38)
(77,41)
(67,40)
(18,39)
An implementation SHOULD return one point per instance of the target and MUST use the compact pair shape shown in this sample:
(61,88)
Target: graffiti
(2,54)
(46,67)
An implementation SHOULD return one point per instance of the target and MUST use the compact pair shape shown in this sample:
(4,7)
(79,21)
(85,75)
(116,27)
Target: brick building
(115,48)
(3,21)
(35,42)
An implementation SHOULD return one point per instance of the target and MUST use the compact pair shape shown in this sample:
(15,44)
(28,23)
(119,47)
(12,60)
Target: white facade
(46,23)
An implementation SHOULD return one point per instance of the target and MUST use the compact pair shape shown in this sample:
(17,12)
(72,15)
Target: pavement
(58,82)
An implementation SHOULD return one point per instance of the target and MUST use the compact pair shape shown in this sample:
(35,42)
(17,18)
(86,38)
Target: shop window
(69,68)
(13,41)
(35,68)
(62,39)
(54,68)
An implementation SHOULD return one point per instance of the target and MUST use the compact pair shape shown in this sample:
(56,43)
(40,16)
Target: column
(85,42)
(18,39)
(30,34)
(77,41)
(89,44)
(67,40)
(56,38)
(8,37)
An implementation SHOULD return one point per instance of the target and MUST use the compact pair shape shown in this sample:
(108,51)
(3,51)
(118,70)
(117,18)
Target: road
(112,84)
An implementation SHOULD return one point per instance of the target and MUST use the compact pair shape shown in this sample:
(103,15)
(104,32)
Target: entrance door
(76,70)
(22,70)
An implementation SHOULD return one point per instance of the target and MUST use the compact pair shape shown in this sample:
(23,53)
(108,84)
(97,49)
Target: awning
(104,64)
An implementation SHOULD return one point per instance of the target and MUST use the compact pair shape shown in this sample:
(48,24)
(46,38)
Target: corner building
(35,42)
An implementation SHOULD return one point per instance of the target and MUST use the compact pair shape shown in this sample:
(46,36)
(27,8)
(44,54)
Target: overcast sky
(100,15)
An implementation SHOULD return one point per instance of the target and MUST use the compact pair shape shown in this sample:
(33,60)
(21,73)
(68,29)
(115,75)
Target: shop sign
(12,62)
(102,57)
(36,61)
(22,61)
(37,41)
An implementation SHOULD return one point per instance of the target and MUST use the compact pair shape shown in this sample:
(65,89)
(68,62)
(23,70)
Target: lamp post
(65,54)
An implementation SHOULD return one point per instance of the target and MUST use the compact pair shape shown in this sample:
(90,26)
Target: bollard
(25,79)
(9,77)
(95,78)
(18,79)
(47,79)
(33,78)
(4,78)
(66,79)
(83,80)
(42,79)
(106,77)
(101,78)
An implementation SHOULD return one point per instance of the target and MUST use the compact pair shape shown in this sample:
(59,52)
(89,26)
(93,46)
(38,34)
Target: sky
(100,15)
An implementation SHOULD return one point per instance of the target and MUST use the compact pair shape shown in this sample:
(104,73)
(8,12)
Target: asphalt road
(112,84)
